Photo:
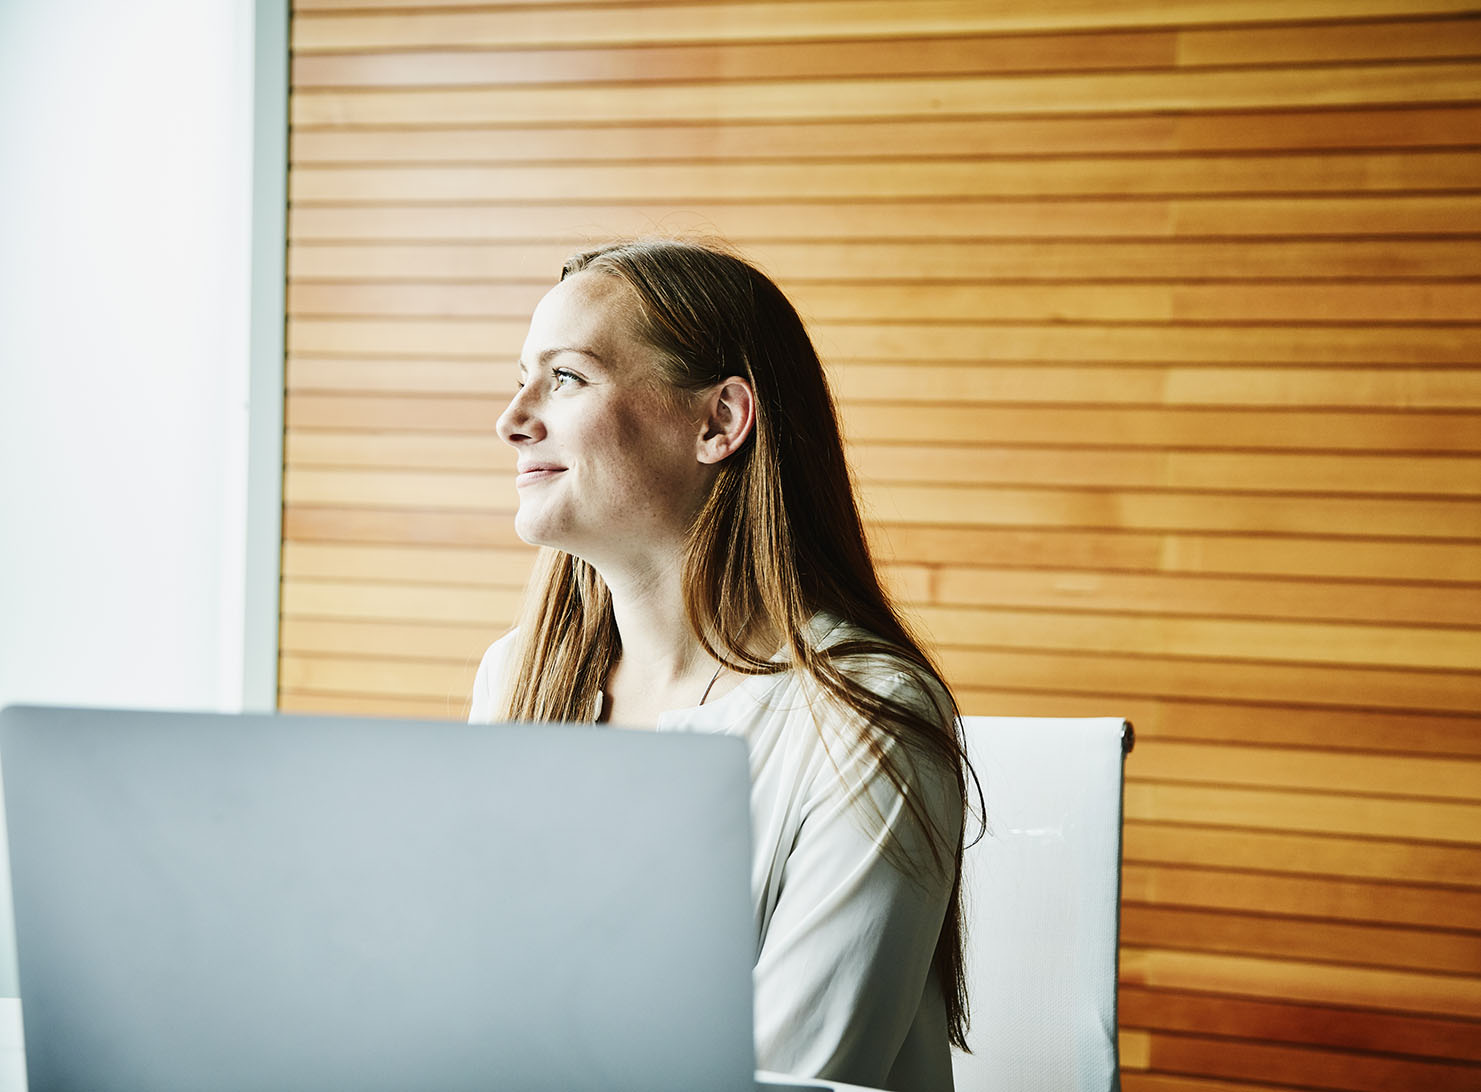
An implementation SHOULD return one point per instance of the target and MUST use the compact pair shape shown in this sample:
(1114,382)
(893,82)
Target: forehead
(593,311)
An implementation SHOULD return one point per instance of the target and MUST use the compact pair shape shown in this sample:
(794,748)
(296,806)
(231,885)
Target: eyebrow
(550,354)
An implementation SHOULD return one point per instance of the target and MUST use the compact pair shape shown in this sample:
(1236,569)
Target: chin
(528,528)
(531,528)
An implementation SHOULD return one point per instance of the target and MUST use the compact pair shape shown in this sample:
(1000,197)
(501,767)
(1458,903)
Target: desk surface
(780,1082)
(13,1061)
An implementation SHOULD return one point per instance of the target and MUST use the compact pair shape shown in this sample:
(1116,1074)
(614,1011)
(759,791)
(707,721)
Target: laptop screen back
(250,902)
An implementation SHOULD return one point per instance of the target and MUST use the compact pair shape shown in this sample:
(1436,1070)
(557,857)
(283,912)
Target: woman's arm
(843,969)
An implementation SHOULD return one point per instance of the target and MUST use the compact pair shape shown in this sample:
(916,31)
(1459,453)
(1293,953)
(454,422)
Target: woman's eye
(563,378)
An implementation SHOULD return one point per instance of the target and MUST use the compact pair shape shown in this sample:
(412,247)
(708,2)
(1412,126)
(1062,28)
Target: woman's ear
(729,416)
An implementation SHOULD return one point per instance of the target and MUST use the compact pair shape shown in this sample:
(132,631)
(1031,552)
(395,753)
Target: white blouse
(845,990)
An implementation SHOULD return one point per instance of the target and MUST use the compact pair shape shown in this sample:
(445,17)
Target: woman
(706,570)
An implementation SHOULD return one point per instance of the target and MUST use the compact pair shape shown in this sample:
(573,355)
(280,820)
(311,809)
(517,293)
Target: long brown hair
(777,540)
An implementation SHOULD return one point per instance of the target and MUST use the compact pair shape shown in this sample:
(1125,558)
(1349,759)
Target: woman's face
(607,452)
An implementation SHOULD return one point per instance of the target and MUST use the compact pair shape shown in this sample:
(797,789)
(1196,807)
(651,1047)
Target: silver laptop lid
(209,902)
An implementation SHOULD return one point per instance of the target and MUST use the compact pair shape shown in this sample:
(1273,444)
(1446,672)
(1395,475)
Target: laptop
(207,902)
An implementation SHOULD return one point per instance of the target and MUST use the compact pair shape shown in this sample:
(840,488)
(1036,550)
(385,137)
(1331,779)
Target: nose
(520,423)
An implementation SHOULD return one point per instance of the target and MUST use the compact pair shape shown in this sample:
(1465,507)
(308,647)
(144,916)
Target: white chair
(1042,905)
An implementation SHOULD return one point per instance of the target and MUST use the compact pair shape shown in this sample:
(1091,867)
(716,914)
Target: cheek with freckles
(631,477)
(646,460)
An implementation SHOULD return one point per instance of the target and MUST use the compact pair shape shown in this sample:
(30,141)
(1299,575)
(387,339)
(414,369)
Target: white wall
(125,243)
(125,201)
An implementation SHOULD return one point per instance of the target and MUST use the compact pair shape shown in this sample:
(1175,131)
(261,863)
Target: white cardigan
(844,938)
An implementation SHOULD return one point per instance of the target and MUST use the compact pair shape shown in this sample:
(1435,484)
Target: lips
(534,473)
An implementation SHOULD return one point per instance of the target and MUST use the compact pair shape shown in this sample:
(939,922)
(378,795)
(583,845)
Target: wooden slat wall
(1155,325)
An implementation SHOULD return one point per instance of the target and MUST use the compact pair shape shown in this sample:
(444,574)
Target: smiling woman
(609,465)
(705,570)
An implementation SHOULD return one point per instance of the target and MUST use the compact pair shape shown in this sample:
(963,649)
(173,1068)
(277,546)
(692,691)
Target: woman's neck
(653,624)
(663,665)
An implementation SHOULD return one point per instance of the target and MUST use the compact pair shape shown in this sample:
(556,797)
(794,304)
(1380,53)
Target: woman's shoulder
(885,670)
(891,753)
(493,670)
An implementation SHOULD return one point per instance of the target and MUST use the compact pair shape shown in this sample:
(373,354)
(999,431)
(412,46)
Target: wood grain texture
(1143,218)
(1311,862)
(1280,1021)
(480,266)
(1155,331)
(1311,1068)
(485,268)
(1390,301)
(1249,976)
(902,96)
(1324,901)
(948,55)
(681,184)
(805,140)
(1286,936)
(498,341)
(632,23)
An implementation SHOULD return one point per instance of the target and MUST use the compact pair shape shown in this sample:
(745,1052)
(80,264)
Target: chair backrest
(1042,889)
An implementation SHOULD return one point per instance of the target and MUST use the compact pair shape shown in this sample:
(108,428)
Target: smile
(533,475)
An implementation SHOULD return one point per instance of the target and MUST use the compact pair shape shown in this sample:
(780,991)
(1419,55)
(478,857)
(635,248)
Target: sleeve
(845,961)
(491,678)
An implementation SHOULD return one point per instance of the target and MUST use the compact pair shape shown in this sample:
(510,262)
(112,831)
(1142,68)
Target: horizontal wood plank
(1334,85)
(937,505)
(859,140)
(428,681)
(1184,594)
(1300,1067)
(709,61)
(407,565)
(1292,556)
(396,451)
(941,505)
(1397,302)
(367,705)
(1227,640)
(575,224)
(1052,261)
(1284,937)
(1399,474)
(680,184)
(1316,769)
(1244,976)
(410,488)
(1388,301)
(313,523)
(1287,387)
(457,643)
(1324,901)
(1310,861)
(1142,343)
(344,599)
(1116,676)
(1137,1081)
(796,20)
(1240,721)
(946,55)
(1278,1020)
(1186,428)
(1332,813)
(1181,261)
(1328,42)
